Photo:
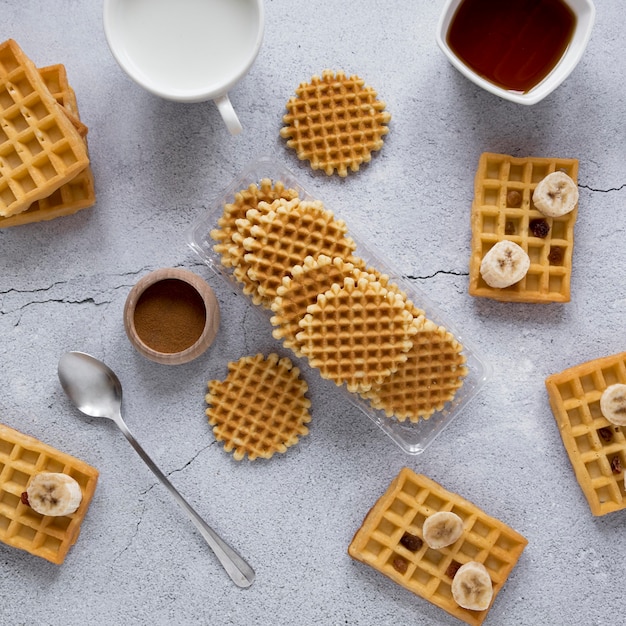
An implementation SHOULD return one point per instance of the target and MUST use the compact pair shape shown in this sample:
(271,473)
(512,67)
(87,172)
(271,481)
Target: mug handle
(228,114)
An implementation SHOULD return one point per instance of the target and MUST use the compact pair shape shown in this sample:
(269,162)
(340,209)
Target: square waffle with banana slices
(596,447)
(45,536)
(76,194)
(503,209)
(391,540)
(40,148)
(335,122)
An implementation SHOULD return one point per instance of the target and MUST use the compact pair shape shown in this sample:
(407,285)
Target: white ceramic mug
(186,50)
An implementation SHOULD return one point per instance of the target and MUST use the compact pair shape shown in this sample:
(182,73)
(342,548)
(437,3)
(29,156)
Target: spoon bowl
(92,386)
(96,391)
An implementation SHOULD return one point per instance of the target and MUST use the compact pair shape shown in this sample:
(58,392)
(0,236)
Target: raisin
(400,564)
(616,465)
(514,198)
(606,434)
(539,228)
(453,568)
(509,227)
(24,498)
(556,256)
(411,542)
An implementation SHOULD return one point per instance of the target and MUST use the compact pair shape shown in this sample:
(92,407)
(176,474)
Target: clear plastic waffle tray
(412,437)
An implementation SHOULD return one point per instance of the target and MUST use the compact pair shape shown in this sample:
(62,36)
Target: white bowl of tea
(520,50)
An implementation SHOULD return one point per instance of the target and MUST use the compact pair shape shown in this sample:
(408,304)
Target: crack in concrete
(180,469)
(588,188)
(437,273)
(132,274)
(129,543)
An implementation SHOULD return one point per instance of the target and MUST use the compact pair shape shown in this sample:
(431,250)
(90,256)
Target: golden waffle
(408,501)
(21,457)
(503,209)
(283,263)
(76,194)
(266,191)
(335,123)
(55,79)
(596,448)
(40,149)
(299,290)
(357,333)
(260,409)
(283,237)
(426,381)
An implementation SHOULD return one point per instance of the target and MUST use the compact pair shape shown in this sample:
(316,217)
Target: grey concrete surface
(158,167)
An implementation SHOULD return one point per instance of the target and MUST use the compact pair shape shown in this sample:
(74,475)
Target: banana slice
(504,265)
(53,493)
(471,586)
(442,529)
(613,404)
(556,194)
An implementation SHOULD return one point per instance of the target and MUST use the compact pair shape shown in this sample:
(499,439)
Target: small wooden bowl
(171,316)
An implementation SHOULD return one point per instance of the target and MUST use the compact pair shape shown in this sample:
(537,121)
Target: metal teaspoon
(96,391)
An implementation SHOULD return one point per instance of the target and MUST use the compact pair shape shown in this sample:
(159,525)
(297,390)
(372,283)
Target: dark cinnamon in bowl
(171,316)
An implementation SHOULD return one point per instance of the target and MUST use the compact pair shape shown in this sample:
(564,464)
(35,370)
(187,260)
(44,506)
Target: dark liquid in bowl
(512,43)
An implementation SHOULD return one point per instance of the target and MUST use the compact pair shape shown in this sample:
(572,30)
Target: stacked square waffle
(44,160)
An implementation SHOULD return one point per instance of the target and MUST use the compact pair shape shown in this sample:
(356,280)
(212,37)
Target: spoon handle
(240,572)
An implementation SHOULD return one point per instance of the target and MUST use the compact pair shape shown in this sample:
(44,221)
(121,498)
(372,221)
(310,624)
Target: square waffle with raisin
(21,458)
(596,448)
(391,541)
(503,209)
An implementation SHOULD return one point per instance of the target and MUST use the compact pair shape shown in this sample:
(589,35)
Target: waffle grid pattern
(21,457)
(408,501)
(335,122)
(260,409)
(596,448)
(430,377)
(267,191)
(357,333)
(287,255)
(40,149)
(299,290)
(284,237)
(79,192)
(503,209)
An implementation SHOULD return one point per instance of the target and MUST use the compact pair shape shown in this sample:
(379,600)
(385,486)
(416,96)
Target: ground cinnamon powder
(170,316)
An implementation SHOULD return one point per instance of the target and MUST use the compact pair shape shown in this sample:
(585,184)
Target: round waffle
(283,237)
(357,333)
(335,123)
(260,408)
(431,375)
(265,191)
(316,275)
